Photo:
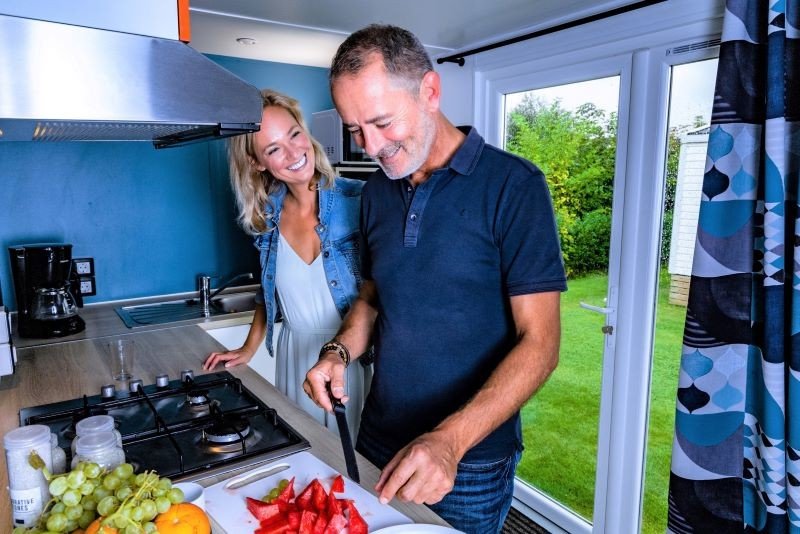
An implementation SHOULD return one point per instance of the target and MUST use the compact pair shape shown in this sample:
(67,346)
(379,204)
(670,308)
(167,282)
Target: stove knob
(135,384)
(107,391)
(162,381)
(187,373)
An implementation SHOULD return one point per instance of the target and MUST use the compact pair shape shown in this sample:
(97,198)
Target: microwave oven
(327,128)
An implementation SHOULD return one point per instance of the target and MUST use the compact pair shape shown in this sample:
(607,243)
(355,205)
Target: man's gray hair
(404,57)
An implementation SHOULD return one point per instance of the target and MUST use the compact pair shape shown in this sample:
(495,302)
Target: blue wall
(151,219)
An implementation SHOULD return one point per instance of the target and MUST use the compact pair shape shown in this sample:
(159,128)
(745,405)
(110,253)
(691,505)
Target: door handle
(598,309)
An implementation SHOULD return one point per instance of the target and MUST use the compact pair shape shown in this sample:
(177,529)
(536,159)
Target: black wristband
(338,348)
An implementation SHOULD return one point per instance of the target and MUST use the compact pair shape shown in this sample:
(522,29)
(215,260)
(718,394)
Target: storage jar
(27,487)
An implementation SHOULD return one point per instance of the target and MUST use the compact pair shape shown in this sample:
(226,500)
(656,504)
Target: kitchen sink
(185,310)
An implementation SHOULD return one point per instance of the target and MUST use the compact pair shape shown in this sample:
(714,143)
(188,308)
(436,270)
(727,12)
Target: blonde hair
(253,187)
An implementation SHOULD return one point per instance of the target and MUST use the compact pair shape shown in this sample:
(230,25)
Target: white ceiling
(307,32)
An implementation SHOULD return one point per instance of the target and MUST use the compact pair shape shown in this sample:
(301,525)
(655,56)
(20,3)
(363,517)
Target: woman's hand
(232,358)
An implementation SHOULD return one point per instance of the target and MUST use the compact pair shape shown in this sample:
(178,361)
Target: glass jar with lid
(92,425)
(59,456)
(99,447)
(27,487)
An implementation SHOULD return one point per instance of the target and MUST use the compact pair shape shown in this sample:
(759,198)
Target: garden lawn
(560,423)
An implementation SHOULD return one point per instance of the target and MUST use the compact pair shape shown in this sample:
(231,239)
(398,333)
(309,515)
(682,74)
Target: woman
(305,224)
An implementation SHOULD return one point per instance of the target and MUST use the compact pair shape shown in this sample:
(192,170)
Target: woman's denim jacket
(338,231)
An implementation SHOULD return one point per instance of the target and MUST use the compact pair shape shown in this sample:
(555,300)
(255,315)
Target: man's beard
(417,158)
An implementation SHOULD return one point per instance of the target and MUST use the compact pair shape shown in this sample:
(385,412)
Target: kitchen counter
(102,320)
(59,371)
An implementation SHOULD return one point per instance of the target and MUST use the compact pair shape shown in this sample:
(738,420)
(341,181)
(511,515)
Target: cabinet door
(232,337)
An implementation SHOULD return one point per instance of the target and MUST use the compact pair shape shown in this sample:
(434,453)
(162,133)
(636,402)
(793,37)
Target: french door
(569,122)
(599,131)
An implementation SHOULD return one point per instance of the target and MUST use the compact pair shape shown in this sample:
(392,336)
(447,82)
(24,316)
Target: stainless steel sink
(174,311)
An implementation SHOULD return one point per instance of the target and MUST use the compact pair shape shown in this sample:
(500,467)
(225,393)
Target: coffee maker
(46,290)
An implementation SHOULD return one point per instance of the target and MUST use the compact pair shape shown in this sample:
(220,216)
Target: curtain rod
(459,58)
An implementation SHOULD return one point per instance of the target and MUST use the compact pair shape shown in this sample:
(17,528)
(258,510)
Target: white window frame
(638,42)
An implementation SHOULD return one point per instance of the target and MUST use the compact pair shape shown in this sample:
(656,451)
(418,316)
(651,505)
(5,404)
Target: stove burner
(197,398)
(228,430)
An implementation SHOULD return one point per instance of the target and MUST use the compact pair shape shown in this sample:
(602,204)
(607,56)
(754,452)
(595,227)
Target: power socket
(83,266)
(87,286)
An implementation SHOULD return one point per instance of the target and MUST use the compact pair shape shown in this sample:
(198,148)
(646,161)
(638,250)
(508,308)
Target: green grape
(149,508)
(124,471)
(100,493)
(57,522)
(137,513)
(175,495)
(91,470)
(162,504)
(89,503)
(132,529)
(111,482)
(86,518)
(76,478)
(72,524)
(164,484)
(73,512)
(123,493)
(71,497)
(283,484)
(58,508)
(107,506)
(273,494)
(58,486)
(120,521)
(140,479)
(158,492)
(87,488)
(150,528)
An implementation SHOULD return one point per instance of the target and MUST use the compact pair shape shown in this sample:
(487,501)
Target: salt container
(99,447)
(27,487)
(92,425)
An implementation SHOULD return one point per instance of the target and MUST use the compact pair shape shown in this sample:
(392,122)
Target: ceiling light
(246,40)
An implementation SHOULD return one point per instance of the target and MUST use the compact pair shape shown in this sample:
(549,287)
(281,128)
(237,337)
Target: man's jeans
(481,496)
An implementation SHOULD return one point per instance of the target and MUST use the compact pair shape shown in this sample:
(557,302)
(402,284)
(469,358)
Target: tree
(576,151)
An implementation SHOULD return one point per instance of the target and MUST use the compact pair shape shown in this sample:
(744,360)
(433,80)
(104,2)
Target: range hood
(60,82)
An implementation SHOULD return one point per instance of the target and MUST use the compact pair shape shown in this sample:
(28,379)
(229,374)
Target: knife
(347,442)
(256,475)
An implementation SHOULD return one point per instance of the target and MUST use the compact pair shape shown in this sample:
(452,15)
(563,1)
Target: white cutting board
(229,509)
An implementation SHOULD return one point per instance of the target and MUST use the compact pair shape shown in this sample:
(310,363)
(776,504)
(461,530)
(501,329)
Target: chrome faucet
(204,288)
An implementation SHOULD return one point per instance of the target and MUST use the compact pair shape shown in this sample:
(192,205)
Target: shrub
(589,242)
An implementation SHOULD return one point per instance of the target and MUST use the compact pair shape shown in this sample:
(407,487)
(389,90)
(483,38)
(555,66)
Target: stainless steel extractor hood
(60,82)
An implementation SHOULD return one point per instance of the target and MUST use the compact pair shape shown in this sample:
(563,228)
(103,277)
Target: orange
(183,518)
(95,528)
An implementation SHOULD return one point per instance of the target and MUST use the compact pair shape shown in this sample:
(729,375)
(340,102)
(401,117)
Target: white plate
(417,529)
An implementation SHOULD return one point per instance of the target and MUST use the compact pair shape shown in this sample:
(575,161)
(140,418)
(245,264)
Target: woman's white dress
(310,319)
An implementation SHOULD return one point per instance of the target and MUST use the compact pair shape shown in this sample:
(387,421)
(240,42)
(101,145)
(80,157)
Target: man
(462,280)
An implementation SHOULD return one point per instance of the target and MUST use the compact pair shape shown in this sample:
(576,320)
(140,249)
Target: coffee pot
(46,290)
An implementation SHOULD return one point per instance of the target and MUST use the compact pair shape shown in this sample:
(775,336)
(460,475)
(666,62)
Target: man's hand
(328,370)
(424,471)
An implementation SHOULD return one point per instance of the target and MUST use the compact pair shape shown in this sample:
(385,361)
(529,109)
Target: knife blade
(347,442)
(255,476)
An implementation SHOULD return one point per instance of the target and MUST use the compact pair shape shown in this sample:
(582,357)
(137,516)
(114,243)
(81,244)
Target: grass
(560,423)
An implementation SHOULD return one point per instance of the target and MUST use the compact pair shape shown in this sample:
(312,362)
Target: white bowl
(192,493)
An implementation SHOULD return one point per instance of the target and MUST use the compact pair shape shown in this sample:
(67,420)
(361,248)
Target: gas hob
(189,428)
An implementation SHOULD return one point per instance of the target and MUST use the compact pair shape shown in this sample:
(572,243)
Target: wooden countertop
(67,370)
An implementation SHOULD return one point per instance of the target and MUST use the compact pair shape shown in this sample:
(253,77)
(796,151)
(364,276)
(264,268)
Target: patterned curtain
(736,453)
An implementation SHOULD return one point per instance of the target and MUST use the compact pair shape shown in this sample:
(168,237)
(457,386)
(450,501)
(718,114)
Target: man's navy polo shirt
(445,258)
